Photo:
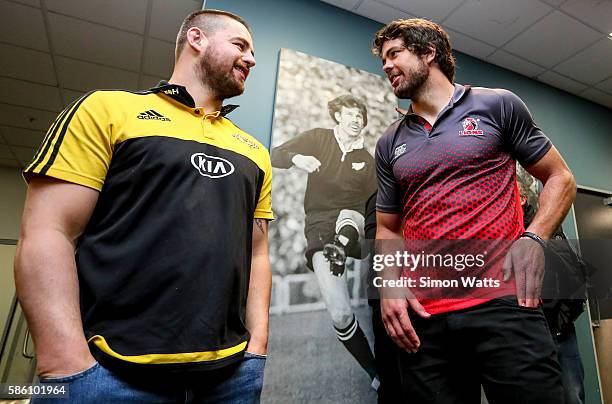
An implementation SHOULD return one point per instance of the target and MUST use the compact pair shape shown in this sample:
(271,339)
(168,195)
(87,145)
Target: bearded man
(446,172)
(166,204)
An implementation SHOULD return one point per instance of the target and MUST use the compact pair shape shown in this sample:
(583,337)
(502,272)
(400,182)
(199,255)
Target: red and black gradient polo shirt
(456,179)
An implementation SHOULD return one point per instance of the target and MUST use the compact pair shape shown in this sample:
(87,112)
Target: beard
(218,76)
(413,82)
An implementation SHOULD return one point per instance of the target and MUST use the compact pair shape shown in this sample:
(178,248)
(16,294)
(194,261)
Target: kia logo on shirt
(211,166)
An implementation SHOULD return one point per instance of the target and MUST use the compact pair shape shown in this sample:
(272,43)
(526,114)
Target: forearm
(48,291)
(305,143)
(388,243)
(281,157)
(258,302)
(555,200)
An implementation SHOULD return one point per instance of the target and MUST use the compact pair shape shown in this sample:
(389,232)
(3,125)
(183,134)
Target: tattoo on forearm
(260,224)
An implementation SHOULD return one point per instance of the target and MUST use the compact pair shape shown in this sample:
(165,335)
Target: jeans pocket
(251,355)
(512,301)
(71,377)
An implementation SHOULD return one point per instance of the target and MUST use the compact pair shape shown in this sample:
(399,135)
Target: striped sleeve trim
(262,214)
(54,137)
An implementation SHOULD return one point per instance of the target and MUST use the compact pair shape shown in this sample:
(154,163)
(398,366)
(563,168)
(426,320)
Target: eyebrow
(244,42)
(393,48)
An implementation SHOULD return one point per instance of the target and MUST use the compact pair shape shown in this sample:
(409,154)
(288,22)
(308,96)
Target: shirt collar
(458,93)
(355,145)
(180,94)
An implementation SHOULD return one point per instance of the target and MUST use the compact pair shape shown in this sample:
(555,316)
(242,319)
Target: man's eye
(240,45)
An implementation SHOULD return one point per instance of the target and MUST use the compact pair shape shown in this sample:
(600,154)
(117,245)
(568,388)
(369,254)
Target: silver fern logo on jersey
(211,166)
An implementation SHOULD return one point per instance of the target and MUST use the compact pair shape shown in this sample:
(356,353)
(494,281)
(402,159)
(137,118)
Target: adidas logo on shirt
(150,114)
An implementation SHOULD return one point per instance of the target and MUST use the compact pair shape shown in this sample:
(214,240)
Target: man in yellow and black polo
(165,202)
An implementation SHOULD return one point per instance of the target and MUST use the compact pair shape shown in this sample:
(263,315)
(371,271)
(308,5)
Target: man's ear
(338,116)
(430,55)
(196,39)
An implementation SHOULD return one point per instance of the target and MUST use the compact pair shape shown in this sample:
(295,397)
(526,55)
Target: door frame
(11,315)
(588,306)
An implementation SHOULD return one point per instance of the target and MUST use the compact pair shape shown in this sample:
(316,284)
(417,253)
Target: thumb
(418,308)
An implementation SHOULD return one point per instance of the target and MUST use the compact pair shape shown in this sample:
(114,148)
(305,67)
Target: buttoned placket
(358,144)
(429,134)
(206,121)
(425,125)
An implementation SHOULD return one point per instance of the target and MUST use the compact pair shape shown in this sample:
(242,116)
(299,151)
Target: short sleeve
(526,141)
(77,147)
(388,196)
(264,204)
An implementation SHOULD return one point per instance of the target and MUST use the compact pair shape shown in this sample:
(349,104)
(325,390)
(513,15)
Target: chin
(403,93)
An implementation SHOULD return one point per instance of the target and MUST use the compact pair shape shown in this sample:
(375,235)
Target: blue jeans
(572,371)
(98,385)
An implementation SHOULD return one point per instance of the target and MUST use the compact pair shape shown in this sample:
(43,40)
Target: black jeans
(506,348)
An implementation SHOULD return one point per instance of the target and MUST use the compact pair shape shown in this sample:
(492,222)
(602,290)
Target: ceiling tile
(128,15)
(24,154)
(23,117)
(469,45)
(85,76)
(22,137)
(150,81)
(596,13)
(33,3)
(22,25)
(516,64)
(553,39)
(605,86)
(345,4)
(598,96)
(10,163)
(562,82)
(496,21)
(555,3)
(590,66)
(69,95)
(380,12)
(167,17)
(159,58)
(29,94)
(5,152)
(435,10)
(26,64)
(95,43)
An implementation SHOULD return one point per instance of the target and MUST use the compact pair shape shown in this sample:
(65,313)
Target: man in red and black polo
(446,171)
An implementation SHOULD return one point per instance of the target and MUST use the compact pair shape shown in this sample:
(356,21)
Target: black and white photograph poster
(327,119)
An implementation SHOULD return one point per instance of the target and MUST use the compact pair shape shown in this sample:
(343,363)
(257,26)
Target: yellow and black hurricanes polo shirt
(164,262)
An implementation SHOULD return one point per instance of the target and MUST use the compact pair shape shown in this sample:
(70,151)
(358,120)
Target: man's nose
(388,66)
(249,60)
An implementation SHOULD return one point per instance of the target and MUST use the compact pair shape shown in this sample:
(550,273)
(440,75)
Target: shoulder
(493,95)
(114,95)
(247,145)
(318,132)
(245,137)
(110,100)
